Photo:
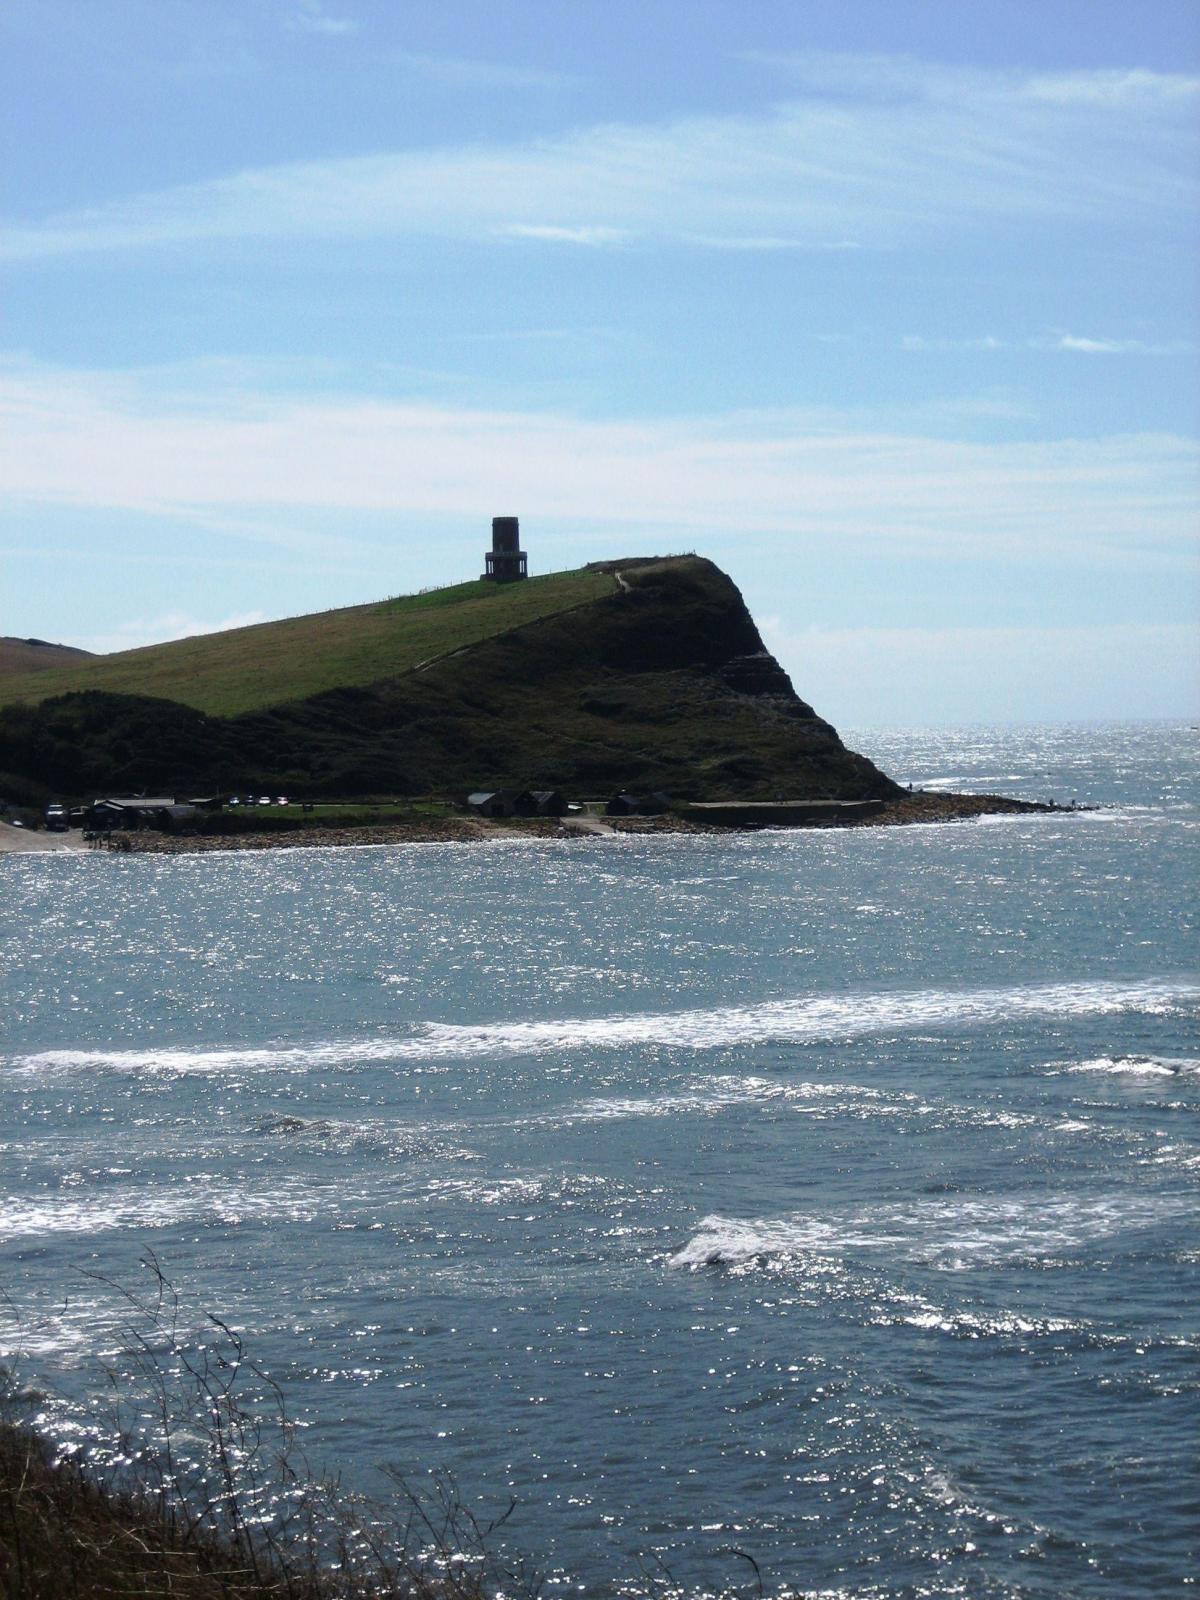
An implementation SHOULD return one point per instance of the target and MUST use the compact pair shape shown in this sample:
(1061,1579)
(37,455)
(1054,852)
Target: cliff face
(662,683)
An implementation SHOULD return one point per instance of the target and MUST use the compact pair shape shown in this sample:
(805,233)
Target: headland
(642,677)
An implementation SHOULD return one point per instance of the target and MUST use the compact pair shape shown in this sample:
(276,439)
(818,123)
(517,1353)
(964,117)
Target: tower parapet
(505,561)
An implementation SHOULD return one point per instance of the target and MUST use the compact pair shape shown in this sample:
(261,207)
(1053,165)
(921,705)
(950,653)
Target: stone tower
(505,560)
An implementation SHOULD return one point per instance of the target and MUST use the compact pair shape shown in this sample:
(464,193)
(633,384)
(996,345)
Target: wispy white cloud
(903,152)
(1115,347)
(1069,342)
(102,441)
(310,16)
(1112,88)
(167,625)
(897,78)
(1090,346)
(553,235)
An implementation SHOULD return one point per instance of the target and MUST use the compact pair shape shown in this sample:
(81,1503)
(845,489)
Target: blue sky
(891,309)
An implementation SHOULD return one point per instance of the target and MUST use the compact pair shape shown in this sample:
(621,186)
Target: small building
(517,803)
(491,802)
(505,561)
(622,805)
(550,803)
(654,804)
(130,813)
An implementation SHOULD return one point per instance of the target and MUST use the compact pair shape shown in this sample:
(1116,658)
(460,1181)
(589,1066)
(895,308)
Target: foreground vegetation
(70,1533)
(194,1488)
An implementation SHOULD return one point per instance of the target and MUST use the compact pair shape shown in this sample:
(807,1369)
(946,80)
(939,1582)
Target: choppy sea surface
(828,1196)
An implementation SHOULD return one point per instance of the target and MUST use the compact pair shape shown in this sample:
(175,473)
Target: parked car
(264,800)
(56,819)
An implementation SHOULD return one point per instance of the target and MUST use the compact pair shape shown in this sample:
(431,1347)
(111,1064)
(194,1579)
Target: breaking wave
(1136,1066)
(159,1206)
(943,1234)
(807,1020)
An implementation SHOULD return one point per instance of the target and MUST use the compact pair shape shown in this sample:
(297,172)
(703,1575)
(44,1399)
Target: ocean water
(825,1196)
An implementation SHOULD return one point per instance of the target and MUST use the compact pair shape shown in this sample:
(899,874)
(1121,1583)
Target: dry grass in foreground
(193,1487)
(68,1534)
(62,1534)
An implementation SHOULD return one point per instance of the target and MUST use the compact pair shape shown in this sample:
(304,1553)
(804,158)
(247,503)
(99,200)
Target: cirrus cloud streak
(130,442)
(900,148)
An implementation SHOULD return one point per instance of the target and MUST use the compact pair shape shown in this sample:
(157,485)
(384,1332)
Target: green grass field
(249,669)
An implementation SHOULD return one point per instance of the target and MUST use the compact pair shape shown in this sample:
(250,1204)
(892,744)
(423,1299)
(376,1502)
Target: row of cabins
(553,803)
(518,803)
(132,813)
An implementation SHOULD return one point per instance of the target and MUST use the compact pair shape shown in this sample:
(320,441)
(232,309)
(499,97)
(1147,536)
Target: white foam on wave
(914,1311)
(1135,1066)
(718,1092)
(948,1234)
(336,1134)
(24,1216)
(711,1094)
(803,1020)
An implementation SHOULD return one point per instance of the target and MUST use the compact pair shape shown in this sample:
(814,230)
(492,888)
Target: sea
(782,1213)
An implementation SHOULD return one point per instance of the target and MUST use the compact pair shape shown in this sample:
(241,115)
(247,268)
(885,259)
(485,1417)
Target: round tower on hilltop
(505,561)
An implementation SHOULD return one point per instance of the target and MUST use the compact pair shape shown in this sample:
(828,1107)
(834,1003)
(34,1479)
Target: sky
(888,308)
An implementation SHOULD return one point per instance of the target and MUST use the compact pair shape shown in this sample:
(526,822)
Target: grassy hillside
(660,681)
(36,655)
(247,669)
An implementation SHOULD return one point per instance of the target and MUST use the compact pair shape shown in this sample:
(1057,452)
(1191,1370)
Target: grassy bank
(271,663)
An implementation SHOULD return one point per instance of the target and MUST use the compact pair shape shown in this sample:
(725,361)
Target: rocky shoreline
(909,809)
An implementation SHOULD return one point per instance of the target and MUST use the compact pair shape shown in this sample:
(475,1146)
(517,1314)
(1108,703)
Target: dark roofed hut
(491,803)
(550,802)
(517,803)
(622,805)
(653,805)
(131,812)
